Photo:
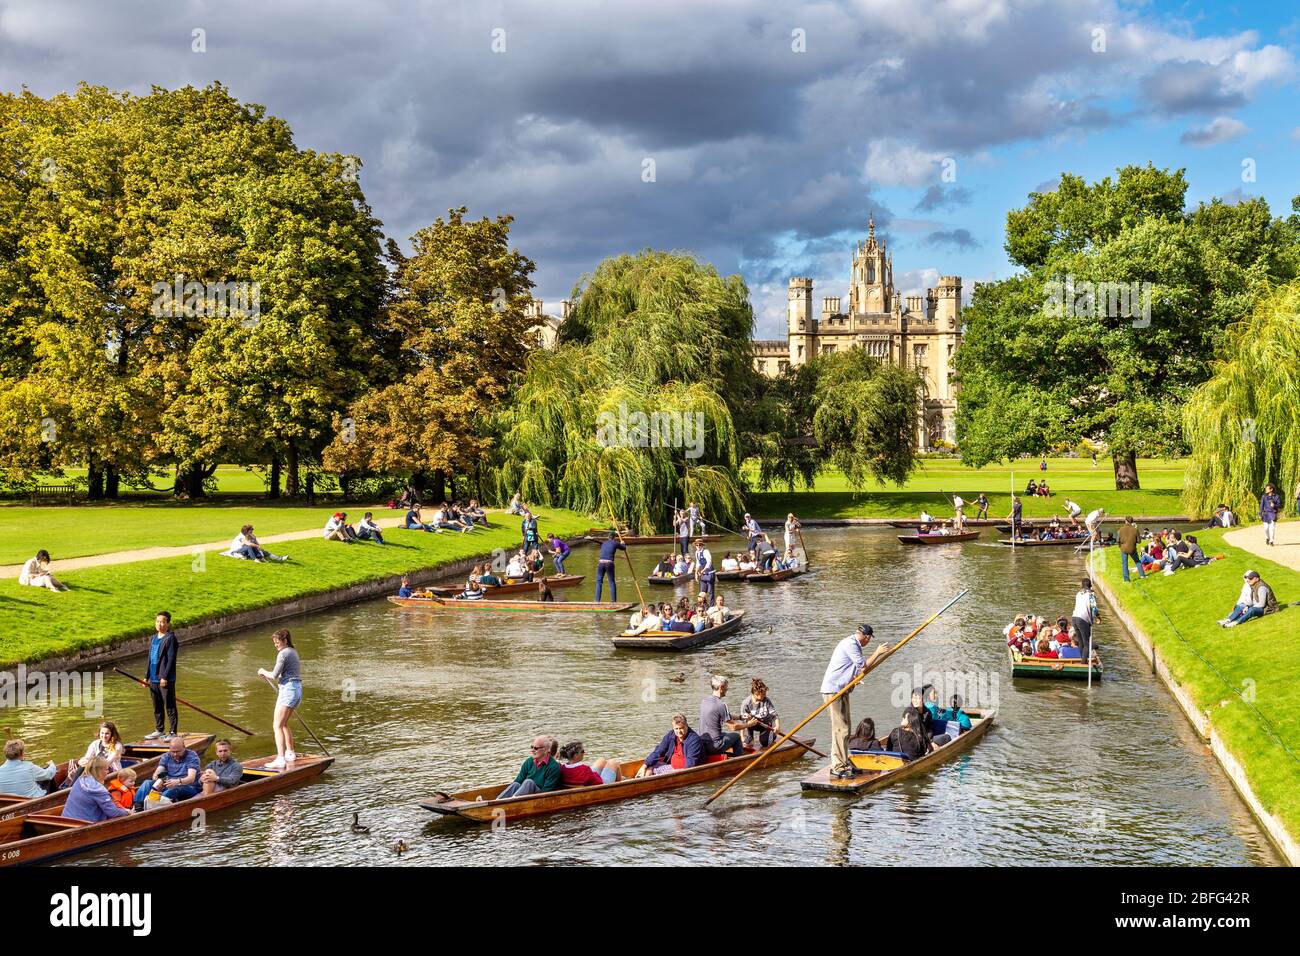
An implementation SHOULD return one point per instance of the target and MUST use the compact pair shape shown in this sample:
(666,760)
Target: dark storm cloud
(766,160)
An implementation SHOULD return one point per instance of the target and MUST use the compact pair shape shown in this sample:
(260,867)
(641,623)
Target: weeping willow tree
(1243,425)
(638,406)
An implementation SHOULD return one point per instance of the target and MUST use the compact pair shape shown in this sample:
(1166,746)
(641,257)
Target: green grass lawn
(935,478)
(118,601)
(231,479)
(120,526)
(1260,660)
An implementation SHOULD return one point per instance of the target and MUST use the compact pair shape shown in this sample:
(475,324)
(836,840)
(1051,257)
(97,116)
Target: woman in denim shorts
(288,674)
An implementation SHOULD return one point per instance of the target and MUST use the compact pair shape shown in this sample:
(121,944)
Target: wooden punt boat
(914,523)
(36,837)
(598,535)
(514,587)
(884,769)
(1057,542)
(505,604)
(669,580)
(141,756)
(481,805)
(731,575)
(679,640)
(766,577)
(938,538)
(1022,666)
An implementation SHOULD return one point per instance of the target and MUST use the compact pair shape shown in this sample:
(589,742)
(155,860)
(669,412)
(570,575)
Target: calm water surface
(410,701)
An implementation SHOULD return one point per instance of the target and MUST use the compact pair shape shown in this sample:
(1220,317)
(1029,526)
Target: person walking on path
(1128,547)
(605,565)
(1270,505)
(161,677)
(1085,616)
(846,663)
(288,678)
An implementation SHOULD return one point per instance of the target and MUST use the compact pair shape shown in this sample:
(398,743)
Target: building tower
(800,317)
(871,286)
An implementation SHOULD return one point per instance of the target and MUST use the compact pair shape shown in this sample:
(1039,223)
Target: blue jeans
(1123,563)
(1244,612)
(518,790)
(602,569)
(558,561)
(171,793)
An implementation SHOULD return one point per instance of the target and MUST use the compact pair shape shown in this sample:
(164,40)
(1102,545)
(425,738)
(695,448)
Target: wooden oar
(876,662)
(300,720)
(182,700)
(796,740)
(627,554)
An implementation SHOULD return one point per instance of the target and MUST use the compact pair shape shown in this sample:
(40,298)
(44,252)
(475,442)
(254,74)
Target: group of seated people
(720,735)
(542,772)
(337,528)
(769,559)
(1032,636)
(924,727)
(1169,551)
(1056,530)
(671,565)
(1038,489)
(102,788)
(447,517)
(685,617)
(932,525)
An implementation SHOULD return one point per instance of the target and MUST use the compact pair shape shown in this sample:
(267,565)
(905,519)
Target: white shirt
(650,622)
(30,570)
(369,524)
(1083,606)
(1072,507)
(514,569)
(730,564)
(1226,519)
(330,526)
(706,559)
(957,502)
(926,517)
(1093,517)
(846,662)
(1244,596)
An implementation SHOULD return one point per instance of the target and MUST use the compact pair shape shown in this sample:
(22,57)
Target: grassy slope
(832,497)
(1261,656)
(109,603)
(71,532)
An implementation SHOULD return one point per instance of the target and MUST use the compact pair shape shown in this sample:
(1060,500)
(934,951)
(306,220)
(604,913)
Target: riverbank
(111,607)
(1235,685)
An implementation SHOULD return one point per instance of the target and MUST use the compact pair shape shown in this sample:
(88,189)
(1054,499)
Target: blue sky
(768,157)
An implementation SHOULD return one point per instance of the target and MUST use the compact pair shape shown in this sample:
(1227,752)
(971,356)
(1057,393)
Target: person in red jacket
(575,773)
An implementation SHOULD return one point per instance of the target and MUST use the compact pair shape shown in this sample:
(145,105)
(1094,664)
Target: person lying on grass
(36,573)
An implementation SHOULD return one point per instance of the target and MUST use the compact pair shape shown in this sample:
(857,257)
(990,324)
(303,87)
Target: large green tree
(638,406)
(1121,303)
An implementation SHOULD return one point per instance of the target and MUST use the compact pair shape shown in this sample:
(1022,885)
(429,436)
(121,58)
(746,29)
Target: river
(411,700)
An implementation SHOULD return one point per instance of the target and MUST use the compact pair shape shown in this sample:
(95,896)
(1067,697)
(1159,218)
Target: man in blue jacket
(680,748)
(605,565)
(162,676)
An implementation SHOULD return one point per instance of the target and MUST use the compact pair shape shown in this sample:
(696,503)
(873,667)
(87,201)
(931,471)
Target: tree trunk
(194,482)
(273,489)
(292,484)
(438,490)
(311,488)
(1126,471)
(112,481)
(94,480)
(344,481)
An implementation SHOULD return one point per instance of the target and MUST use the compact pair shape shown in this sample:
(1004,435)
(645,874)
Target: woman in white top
(729,563)
(107,747)
(36,573)
(516,569)
(792,527)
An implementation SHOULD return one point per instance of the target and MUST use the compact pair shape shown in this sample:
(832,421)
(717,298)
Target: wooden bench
(46,492)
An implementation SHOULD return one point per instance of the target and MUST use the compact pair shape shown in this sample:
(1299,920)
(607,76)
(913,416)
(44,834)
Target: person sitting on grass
(338,529)
(516,506)
(223,773)
(36,573)
(368,530)
(476,513)
(441,523)
(413,522)
(246,546)
(1256,600)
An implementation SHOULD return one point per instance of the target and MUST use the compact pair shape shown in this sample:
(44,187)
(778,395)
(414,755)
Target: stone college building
(920,331)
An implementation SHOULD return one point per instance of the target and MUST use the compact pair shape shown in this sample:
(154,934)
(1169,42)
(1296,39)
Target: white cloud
(1221,129)
(895,163)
